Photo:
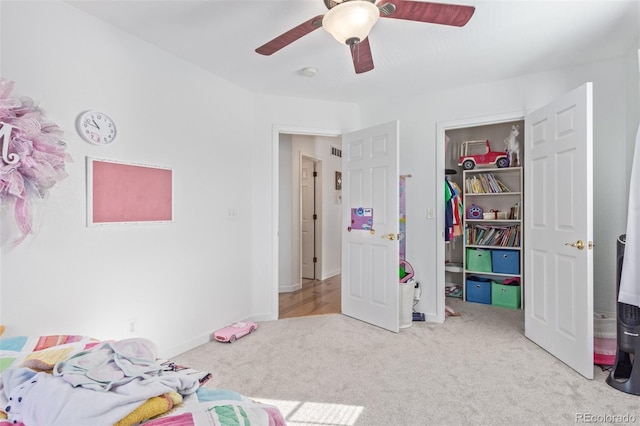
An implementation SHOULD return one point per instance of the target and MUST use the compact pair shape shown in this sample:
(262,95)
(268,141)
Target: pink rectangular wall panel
(131,193)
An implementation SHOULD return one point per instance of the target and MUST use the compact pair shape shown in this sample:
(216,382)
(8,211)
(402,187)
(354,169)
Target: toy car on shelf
(476,153)
(235,331)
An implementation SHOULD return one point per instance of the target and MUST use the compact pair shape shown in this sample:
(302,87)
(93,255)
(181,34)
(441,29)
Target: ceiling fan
(349,22)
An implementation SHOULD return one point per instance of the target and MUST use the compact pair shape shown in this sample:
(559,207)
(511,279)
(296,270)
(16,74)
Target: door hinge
(315,260)
(315,174)
(315,216)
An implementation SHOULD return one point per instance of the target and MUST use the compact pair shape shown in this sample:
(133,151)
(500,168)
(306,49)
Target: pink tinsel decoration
(41,156)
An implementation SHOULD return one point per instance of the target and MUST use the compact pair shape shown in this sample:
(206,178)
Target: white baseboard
(330,274)
(206,338)
(263,318)
(289,288)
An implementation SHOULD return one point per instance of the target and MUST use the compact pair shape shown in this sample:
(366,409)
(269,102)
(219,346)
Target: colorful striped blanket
(67,379)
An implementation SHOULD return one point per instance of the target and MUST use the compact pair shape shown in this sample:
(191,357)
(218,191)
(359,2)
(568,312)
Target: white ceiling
(503,39)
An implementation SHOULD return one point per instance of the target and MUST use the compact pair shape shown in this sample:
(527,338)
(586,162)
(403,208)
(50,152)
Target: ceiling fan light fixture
(350,22)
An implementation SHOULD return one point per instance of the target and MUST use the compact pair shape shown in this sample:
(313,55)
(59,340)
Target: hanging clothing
(630,276)
(453,210)
(458,208)
(448,210)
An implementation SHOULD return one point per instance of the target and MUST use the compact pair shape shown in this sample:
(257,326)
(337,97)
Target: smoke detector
(309,72)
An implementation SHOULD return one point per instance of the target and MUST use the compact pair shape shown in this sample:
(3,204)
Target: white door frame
(441,128)
(277,130)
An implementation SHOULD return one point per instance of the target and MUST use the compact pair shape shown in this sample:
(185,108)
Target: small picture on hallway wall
(127,193)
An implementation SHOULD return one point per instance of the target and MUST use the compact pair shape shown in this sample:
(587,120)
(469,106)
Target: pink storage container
(604,338)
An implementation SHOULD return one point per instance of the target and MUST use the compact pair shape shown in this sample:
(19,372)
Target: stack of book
(490,235)
(484,183)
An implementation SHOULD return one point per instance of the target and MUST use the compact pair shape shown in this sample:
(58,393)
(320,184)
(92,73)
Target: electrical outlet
(132,326)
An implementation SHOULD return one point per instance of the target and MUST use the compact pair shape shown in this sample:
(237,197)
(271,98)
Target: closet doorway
(481,137)
(555,213)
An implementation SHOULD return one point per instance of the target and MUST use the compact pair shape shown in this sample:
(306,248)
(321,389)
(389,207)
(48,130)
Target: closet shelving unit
(498,191)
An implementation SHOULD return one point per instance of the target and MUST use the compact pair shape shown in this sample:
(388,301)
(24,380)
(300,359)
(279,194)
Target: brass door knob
(578,244)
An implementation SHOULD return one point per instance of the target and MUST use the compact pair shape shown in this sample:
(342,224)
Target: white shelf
(489,221)
(493,247)
(512,178)
(484,194)
(492,274)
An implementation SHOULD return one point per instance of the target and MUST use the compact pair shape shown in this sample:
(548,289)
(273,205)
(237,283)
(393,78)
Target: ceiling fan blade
(361,54)
(290,36)
(434,13)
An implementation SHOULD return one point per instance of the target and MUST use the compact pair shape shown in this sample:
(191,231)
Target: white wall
(632,82)
(181,280)
(286,274)
(419,116)
(331,209)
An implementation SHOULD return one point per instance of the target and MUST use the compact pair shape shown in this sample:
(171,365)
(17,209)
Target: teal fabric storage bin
(506,296)
(478,290)
(478,260)
(505,261)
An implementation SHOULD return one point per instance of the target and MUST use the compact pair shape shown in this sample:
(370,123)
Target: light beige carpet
(474,369)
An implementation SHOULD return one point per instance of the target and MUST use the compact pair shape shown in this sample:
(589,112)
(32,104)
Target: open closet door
(558,230)
(370,249)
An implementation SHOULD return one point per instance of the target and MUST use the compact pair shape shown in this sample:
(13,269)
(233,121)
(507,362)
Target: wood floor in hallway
(314,298)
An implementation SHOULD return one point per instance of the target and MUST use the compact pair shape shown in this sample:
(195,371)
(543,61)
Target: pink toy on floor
(235,331)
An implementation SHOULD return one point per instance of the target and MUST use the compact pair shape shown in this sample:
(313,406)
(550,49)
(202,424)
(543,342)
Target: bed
(76,380)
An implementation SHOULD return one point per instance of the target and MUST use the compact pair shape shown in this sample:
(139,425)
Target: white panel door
(308,234)
(370,259)
(558,232)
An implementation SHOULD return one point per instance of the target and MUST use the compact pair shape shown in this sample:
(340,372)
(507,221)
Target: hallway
(314,298)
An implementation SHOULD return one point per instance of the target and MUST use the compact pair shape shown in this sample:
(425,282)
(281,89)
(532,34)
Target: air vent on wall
(336,152)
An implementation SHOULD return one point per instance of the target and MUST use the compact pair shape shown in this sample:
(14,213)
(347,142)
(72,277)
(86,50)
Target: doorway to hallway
(309,211)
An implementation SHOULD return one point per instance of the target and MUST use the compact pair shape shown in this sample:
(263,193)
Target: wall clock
(96,127)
